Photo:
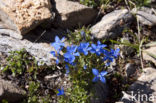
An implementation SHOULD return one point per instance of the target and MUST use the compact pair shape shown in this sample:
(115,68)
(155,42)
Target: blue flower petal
(76,54)
(98,42)
(62,40)
(103,73)
(85,67)
(86,53)
(116,52)
(107,64)
(93,46)
(60,92)
(57,39)
(57,61)
(53,53)
(95,71)
(103,79)
(67,69)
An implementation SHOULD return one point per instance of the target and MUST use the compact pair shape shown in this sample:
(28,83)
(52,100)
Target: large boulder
(112,24)
(21,16)
(71,14)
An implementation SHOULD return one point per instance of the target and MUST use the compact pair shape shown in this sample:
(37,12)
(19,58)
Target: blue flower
(67,69)
(57,61)
(84,48)
(72,49)
(58,44)
(110,55)
(84,67)
(69,56)
(53,53)
(60,92)
(115,53)
(99,76)
(97,48)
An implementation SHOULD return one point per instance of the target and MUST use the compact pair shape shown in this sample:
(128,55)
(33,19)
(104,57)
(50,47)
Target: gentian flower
(99,76)
(69,56)
(85,67)
(110,55)
(60,92)
(57,61)
(72,49)
(115,53)
(97,48)
(53,53)
(58,44)
(67,69)
(84,48)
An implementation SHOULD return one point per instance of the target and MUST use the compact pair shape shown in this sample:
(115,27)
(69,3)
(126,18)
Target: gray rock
(71,14)
(144,89)
(146,16)
(112,24)
(41,51)
(4,29)
(10,91)
(101,91)
(21,16)
(150,54)
(130,69)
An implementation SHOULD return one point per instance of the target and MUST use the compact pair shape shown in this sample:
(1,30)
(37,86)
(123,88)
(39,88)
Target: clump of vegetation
(20,62)
(86,62)
(104,4)
(24,69)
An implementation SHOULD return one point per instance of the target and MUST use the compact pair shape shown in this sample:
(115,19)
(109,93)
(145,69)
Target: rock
(101,91)
(112,24)
(10,91)
(144,89)
(21,16)
(130,69)
(149,54)
(41,51)
(5,30)
(72,14)
(146,16)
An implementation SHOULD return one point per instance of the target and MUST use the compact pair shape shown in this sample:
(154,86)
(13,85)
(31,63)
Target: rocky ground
(33,25)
